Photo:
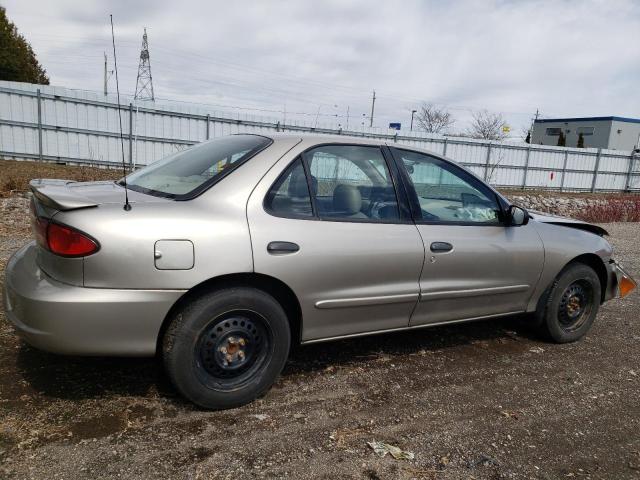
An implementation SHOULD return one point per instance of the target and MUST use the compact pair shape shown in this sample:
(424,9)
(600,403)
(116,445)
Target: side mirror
(518,216)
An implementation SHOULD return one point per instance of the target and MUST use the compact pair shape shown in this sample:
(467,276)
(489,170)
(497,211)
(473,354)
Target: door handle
(278,248)
(441,247)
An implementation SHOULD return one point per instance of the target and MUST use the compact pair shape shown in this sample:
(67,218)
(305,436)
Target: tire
(571,305)
(226,348)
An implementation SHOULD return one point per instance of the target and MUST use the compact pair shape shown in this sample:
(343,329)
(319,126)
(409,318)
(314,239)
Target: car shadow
(93,377)
(67,377)
(309,358)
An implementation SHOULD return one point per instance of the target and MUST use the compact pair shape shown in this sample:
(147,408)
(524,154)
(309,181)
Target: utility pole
(373,106)
(413,112)
(347,127)
(144,83)
(105,74)
(533,122)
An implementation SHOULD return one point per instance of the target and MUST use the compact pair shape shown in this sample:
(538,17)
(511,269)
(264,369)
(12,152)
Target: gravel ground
(486,400)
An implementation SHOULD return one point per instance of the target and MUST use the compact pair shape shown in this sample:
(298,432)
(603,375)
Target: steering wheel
(375,207)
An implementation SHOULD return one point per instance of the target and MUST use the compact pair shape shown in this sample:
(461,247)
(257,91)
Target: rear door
(328,223)
(475,266)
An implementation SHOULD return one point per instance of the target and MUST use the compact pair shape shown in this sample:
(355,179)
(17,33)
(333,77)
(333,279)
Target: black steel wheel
(226,348)
(571,305)
(575,305)
(232,348)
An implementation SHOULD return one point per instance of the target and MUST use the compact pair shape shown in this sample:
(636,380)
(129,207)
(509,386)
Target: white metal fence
(74,126)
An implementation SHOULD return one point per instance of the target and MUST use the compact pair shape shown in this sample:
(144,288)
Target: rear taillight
(69,242)
(62,240)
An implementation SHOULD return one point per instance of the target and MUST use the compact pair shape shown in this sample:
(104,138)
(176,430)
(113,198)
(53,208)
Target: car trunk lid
(64,195)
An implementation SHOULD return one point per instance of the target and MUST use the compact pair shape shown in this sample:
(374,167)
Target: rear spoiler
(56,194)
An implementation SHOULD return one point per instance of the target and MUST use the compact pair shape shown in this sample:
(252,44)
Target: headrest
(347,199)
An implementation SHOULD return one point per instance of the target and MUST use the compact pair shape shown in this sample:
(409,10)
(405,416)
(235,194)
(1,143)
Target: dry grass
(510,192)
(15,175)
(616,209)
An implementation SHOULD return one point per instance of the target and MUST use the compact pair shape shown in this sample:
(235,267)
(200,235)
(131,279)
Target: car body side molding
(475,292)
(365,301)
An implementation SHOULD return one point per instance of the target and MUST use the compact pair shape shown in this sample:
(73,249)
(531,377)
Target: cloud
(565,58)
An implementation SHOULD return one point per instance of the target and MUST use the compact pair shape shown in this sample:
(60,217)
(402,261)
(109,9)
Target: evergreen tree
(580,141)
(562,140)
(18,63)
(528,139)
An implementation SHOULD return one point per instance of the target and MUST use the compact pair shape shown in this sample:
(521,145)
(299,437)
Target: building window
(585,131)
(554,131)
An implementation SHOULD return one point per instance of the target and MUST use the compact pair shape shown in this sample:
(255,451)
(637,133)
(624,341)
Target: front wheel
(572,304)
(227,347)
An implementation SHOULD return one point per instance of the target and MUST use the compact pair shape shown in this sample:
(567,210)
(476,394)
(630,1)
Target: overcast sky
(565,58)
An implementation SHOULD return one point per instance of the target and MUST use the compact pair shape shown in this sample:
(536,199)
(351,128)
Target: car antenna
(127,205)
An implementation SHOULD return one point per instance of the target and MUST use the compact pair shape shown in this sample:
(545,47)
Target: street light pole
(412,114)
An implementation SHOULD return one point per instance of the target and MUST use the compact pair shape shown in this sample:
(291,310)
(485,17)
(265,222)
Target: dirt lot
(485,400)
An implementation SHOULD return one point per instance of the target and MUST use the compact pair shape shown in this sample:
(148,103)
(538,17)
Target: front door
(475,266)
(327,223)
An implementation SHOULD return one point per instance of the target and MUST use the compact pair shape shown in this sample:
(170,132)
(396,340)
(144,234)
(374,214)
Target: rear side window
(352,182)
(289,196)
(189,172)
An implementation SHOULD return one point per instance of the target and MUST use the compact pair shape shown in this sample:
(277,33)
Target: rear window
(187,173)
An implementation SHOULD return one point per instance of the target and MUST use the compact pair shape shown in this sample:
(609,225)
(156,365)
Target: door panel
(490,270)
(475,266)
(354,274)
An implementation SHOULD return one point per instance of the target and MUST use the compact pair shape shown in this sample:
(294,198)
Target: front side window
(447,193)
(188,172)
(351,182)
(554,132)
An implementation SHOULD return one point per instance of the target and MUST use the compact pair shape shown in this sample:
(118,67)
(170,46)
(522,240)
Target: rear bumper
(67,319)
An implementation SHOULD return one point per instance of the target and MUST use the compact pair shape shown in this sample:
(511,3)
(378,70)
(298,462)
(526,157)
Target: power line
(292,79)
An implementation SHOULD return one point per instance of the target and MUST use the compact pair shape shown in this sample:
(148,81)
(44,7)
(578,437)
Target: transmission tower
(144,83)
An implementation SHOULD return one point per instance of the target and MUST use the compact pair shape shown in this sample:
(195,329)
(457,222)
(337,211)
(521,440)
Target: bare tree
(432,119)
(487,125)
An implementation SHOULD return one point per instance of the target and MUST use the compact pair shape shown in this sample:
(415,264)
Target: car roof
(326,138)
(311,139)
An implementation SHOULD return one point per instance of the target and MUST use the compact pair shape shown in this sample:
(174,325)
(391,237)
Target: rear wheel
(572,304)
(227,347)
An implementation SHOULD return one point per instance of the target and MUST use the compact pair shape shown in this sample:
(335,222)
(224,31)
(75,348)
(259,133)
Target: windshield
(189,172)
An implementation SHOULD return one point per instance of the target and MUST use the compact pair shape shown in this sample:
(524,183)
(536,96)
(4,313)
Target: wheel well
(594,261)
(271,285)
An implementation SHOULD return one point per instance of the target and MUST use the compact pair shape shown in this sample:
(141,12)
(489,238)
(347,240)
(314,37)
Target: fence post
(564,169)
(526,167)
(208,121)
(486,166)
(130,135)
(444,150)
(595,171)
(39,99)
(632,161)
